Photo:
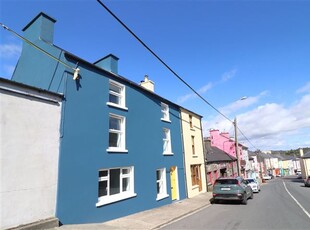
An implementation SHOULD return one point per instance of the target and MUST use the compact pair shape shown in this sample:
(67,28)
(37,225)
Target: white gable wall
(29,157)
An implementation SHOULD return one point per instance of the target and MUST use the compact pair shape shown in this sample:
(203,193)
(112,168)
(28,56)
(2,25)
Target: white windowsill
(117,106)
(117,150)
(165,120)
(162,196)
(115,198)
(168,153)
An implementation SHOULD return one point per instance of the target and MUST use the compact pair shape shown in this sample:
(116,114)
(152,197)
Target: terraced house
(121,147)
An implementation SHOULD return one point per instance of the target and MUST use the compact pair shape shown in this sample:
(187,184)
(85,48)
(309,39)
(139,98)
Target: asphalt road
(283,203)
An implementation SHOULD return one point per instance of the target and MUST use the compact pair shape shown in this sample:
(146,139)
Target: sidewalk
(154,218)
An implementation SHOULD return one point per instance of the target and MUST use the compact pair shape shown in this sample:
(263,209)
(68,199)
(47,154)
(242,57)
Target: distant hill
(292,152)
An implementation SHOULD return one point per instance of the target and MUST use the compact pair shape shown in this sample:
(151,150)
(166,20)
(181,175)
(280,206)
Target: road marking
(302,208)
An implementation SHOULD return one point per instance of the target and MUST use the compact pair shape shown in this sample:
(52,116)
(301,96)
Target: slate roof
(306,155)
(214,154)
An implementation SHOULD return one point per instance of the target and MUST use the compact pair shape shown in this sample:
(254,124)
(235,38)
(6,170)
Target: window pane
(114,140)
(103,188)
(115,123)
(165,146)
(158,187)
(126,184)
(115,88)
(126,171)
(114,181)
(103,173)
(114,99)
(164,134)
(158,174)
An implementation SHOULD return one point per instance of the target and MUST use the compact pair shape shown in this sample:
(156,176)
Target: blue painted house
(120,143)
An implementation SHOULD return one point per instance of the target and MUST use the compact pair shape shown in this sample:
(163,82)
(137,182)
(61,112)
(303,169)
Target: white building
(30,122)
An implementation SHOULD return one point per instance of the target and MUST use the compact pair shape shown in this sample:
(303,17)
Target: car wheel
(245,200)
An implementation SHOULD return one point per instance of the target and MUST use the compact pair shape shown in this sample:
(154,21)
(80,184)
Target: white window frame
(121,134)
(107,199)
(162,184)
(167,150)
(165,112)
(121,96)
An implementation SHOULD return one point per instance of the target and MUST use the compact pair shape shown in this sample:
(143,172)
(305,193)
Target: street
(283,203)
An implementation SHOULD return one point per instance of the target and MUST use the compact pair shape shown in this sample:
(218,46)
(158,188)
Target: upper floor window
(161,184)
(191,121)
(115,184)
(116,95)
(193,145)
(165,112)
(166,141)
(116,133)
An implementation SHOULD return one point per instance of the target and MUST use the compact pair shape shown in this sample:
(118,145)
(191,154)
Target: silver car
(253,183)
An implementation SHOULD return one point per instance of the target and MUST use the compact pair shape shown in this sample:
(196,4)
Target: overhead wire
(76,70)
(167,66)
(158,58)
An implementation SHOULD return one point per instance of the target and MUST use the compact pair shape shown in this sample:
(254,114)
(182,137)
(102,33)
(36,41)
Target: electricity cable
(167,66)
(159,59)
(76,70)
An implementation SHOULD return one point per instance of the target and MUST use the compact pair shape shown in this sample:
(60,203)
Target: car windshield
(250,181)
(227,181)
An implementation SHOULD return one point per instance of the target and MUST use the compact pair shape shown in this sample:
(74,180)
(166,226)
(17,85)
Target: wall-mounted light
(76,73)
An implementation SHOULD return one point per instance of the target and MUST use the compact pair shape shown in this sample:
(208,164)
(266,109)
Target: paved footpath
(154,218)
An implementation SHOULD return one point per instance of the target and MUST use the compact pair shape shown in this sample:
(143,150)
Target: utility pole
(236,146)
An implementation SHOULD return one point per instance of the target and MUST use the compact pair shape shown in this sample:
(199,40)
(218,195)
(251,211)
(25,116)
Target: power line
(168,67)
(76,70)
(164,63)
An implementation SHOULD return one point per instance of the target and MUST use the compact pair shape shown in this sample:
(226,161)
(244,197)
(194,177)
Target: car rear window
(226,181)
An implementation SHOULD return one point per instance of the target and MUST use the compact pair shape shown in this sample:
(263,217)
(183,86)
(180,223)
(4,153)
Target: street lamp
(236,141)
(236,146)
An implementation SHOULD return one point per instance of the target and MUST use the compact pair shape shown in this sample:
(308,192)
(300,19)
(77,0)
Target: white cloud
(205,88)
(239,104)
(228,75)
(8,70)
(269,126)
(305,88)
(225,77)
(10,50)
(189,96)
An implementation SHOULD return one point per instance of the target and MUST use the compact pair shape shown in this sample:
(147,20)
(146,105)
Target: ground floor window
(115,184)
(161,184)
(195,174)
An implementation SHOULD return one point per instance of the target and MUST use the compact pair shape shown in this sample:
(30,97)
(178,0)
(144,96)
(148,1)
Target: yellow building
(305,164)
(193,153)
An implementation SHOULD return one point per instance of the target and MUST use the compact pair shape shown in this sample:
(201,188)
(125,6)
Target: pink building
(222,141)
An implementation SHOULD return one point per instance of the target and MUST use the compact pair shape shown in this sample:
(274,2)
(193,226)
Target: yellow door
(173,179)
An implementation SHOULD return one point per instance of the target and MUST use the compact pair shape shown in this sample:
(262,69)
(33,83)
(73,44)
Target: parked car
(253,183)
(267,177)
(307,182)
(232,188)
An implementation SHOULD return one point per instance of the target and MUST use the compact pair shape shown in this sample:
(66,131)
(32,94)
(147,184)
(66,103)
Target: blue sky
(224,49)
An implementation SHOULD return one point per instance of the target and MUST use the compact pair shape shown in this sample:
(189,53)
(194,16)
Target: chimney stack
(301,151)
(41,27)
(109,63)
(147,84)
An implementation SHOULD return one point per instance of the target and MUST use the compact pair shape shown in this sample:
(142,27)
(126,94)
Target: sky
(250,60)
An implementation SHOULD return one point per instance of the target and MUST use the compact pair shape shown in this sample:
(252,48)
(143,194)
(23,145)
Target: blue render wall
(84,140)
